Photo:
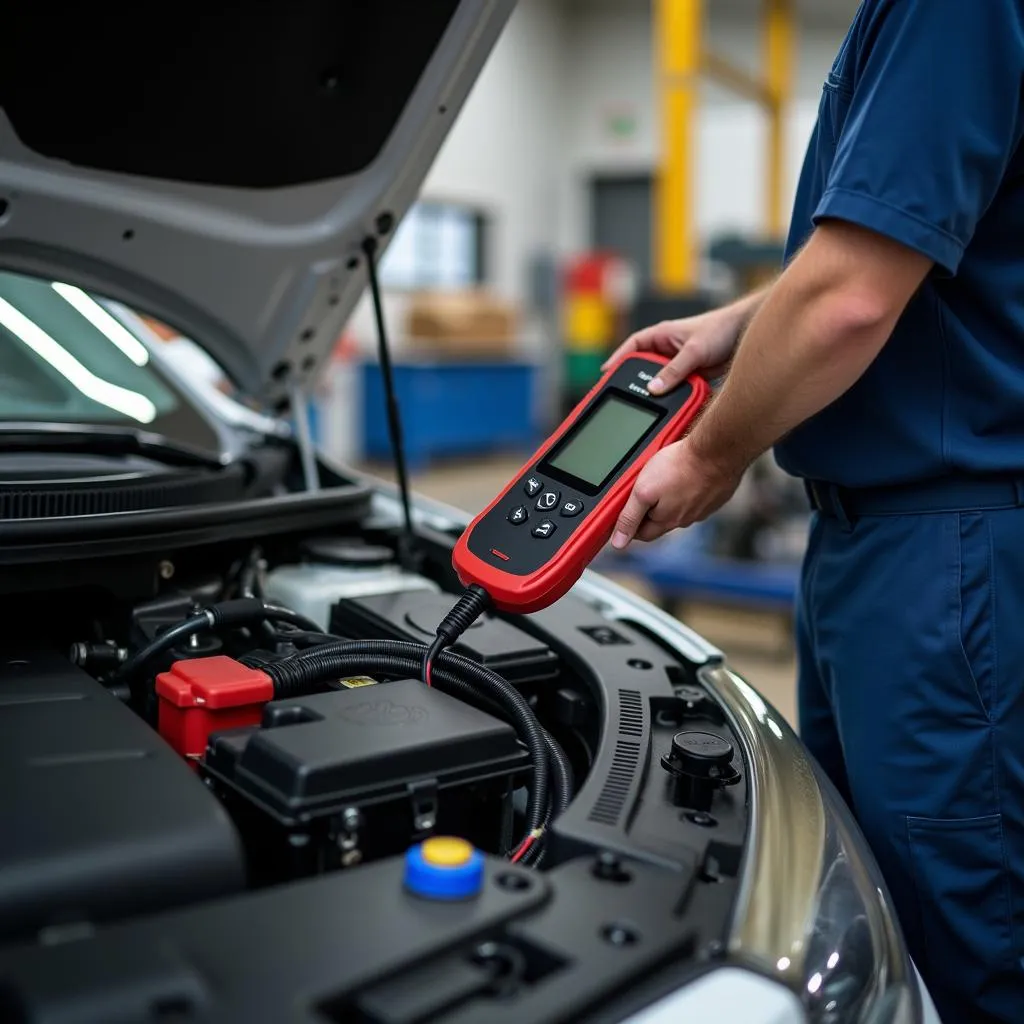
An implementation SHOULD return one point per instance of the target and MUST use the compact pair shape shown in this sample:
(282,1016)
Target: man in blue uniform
(886,367)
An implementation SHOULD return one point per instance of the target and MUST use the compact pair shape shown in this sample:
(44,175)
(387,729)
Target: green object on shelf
(582,371)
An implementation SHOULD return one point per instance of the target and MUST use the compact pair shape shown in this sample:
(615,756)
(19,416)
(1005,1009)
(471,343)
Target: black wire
(562,790)
(563,783)
(275,613)
(408,542)
(429,656)
(167,639)
(302,637)
(469,607)
(225,614)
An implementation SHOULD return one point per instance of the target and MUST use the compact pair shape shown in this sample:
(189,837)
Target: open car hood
(220,166)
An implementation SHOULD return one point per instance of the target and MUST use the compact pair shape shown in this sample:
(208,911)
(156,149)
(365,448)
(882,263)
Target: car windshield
(65,359)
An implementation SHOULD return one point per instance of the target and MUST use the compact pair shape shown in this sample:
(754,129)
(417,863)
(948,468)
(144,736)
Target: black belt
(947,494)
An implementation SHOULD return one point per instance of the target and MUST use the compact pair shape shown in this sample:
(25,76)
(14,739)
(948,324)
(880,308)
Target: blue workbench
(679,568)
(453,409)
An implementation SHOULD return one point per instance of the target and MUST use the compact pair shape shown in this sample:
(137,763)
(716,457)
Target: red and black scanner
(533,542)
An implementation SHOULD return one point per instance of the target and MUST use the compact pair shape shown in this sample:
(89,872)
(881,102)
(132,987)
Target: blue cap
(444,868)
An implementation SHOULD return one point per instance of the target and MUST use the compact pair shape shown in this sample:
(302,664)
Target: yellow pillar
(677,36)
(779,52)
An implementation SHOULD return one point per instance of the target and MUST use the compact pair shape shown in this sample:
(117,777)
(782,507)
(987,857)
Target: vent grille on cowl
(621,775)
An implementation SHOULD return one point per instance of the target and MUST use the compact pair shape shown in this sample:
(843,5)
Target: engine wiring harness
(317,658)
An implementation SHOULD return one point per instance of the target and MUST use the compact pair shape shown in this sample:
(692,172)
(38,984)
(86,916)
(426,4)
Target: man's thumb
(683,363)
(629,522)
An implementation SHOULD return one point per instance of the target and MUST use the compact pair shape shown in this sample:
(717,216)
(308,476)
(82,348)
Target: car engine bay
(233,739)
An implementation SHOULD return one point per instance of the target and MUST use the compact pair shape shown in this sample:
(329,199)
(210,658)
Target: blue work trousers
(910,634)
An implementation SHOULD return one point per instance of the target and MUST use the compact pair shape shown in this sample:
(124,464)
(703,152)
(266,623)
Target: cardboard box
(462,323)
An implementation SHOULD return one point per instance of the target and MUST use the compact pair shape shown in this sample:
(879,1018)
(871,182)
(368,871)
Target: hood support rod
(407,541)
(300,411)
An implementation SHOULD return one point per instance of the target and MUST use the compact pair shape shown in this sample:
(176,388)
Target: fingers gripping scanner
(532,543)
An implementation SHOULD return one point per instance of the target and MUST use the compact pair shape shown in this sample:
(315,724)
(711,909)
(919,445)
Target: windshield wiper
(101,440)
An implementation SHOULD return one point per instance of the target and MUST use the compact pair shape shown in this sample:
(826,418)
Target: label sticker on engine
(353,682)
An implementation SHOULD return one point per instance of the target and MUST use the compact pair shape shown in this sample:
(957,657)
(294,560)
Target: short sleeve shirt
(918,138)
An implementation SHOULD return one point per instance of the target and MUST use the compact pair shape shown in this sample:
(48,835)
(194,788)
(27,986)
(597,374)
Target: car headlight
(813,909)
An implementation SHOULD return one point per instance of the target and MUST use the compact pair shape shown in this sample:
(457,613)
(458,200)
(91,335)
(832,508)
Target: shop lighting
(103,322)
(128,403)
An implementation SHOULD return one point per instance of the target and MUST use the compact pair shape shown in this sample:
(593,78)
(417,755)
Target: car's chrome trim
(786,836)
(788,818)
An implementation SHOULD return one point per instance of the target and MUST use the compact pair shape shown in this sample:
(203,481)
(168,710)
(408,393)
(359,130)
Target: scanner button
(533,486)
(572,507)
(544,529)
(518,515)
(547,501)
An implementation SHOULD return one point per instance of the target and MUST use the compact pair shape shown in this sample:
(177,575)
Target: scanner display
(533,542)
(593,451)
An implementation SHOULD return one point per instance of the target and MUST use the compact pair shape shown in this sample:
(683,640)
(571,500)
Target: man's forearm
(749,306)
(810,340)
(746,308)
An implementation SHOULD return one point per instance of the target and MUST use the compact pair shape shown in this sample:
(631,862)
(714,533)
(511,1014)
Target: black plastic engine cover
(414,615)
(356,946)
(101,819)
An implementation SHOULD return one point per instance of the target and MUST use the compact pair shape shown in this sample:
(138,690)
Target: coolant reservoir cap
(444,868)
(343,551)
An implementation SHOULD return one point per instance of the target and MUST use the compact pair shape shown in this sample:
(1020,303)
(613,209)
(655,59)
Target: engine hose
(454,674)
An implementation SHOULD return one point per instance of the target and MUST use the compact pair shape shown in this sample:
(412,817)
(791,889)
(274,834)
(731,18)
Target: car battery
(498,645)
(334,779)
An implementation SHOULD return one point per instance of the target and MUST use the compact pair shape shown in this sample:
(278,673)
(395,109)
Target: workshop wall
(569,93)
(610,77)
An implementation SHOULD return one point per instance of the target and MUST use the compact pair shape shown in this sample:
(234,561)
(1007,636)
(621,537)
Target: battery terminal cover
(201,696)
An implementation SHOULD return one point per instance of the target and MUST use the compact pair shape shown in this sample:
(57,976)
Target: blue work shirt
(918,138)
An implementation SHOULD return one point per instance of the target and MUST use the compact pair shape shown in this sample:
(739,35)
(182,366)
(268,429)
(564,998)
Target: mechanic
(886,368)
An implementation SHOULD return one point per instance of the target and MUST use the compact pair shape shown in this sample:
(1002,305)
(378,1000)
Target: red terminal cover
(206,695)
(526,594)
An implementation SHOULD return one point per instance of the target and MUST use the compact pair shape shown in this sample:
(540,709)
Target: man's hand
(674,489)
(823,324)
(703,343)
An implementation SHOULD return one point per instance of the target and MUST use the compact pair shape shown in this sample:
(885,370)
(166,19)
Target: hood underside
(220,165)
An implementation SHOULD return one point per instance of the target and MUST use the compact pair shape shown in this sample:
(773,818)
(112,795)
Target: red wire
(523,847)
(427,674)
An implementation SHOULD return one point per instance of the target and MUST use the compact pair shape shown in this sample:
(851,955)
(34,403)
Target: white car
(227,795)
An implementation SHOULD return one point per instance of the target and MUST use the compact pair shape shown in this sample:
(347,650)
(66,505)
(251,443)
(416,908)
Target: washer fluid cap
(701,753)
(700,763)
(444,868)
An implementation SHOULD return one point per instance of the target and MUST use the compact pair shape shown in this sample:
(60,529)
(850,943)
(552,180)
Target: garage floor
(757,644)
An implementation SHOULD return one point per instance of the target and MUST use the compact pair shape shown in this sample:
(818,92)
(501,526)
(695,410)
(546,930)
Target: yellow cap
(446,852)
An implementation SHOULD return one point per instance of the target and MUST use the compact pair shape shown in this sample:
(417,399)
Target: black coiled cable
(452,673)
(473,603)
(563,783)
